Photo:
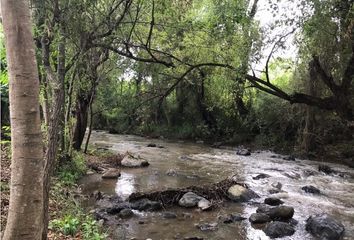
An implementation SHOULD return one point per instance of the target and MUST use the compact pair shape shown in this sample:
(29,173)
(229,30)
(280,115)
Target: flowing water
(198,164)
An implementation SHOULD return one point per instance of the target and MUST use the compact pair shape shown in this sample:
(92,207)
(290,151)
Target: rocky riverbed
(271,196)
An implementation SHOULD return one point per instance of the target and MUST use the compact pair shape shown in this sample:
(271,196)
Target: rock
(151,145)
(125,213)
(89,172)
(278,229)
(259,218)
(160,146)
(281,195)
(281,213)
(97,195)
(277,185)
(326,169)
(273,201)
(263,209)
(204,204)
(189,199)
(171,172)
(207,226)
(130,161)
(324,227)
(311,189)
(231,218)
(200,142)
(239,193)
(243,152)
(111,173)
(274,156)
(261,176)
(187,215)
(118,207)
(289,158)
(193,238)
(146,205)
(169,215)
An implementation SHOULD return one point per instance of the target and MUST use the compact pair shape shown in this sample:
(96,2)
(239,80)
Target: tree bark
(55,129)
(26,193)
(81,121)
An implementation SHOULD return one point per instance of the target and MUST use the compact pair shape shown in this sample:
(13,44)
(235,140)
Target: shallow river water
(198,164)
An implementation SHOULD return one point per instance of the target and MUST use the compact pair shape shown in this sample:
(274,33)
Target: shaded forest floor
(68,218)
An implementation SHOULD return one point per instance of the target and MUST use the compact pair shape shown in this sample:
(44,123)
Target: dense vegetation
(209,69)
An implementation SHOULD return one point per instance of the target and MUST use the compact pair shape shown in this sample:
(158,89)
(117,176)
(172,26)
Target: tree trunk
(90,126)
(81,121)
(55,129)
(26,193)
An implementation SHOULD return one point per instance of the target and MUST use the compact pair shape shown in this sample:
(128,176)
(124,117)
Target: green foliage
(70,171)
(91,230)
(69,225)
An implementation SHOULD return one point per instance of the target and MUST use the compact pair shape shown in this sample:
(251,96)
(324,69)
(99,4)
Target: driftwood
(216,192)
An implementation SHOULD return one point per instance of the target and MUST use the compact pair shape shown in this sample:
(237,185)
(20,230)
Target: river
(198,164)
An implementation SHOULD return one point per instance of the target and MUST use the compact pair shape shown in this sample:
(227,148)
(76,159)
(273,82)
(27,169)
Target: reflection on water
(197,164)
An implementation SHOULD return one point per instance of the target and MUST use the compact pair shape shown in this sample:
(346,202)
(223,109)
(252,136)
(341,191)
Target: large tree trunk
(26,193)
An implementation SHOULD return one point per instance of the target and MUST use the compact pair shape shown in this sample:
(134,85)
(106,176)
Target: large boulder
(132,162)
(260,176)
(259,218)
(324,227)
(189,199)
(238,193)
(111,173)
(278,229)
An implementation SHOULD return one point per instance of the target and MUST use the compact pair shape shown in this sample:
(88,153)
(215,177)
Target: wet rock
(259,218)
(261,176)
(273,201)
(126,213)
(171,172)
(130,161)
(141,222)
(289,158)
(281,195)
(111,173)
(277,185)
(193,238)
(243,152)
(326,169)
(207,226)
(169,215)
(151,145)
(263,209)
(97,195)
(281,213)
(238,193)
(100,214)
(146,205)
(274,156)
(231,218)
(160,146)
(278,229)
(118,207)
(204,204)
(324,227)
(189,199)
(311,189)
(185,157)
